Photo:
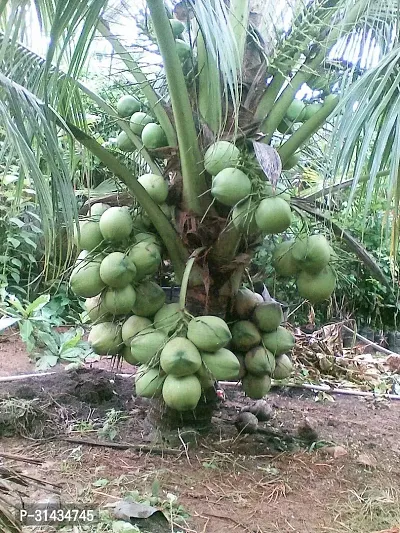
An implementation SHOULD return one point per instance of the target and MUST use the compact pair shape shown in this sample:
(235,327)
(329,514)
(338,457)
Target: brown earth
(261,483)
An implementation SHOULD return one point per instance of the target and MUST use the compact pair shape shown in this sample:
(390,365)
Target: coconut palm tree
(241,76)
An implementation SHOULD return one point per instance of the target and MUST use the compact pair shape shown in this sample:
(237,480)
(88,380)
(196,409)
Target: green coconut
(132,326)
(242,371)
(296,111)
(119,301)
(168,317)
(209,333)
(95,310)
(138,121)
(291,161)
(279,341)
(153,136)
(181,393)
(256,387)
(283,367)
(246,301)
(105,338)
(127,105)
(283,261)
(150,297)
(116,224)
(149,383)
(245,335)
(127,356)
(310,110)
(146,344)
(220,155)
(285,127)
(85,280)
(230,186)
(146,257)
(273,215)
(243,216)
(259,361)
(314,252)
(183,49)
(177,27)
(117,270)
(141,221)
(168,210)
(124,143)
(97,209)
(180,357)
(147,237)
(205,377)
(156,187)
(223,364)
(316,287)
(90,236)
(268,316)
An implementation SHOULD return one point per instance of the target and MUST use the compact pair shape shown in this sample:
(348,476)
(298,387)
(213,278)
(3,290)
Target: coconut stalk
(176,250)
(194,184)
(209,93)
(148,91)
(307,130)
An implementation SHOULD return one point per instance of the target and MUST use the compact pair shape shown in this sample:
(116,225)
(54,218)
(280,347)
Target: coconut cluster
(141,124)
(255,209)
(308,258)
(260,343)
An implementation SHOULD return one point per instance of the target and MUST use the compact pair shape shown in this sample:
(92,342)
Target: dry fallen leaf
(335,451)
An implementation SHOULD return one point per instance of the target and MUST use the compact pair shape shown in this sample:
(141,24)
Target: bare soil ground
(347,479)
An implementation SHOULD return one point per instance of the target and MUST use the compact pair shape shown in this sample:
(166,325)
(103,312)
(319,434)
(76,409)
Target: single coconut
(156,187)
(223,364)
(85,280)
(177,27)
(311,109)
(245,335)
(105,338)
(279,341)
(117,270)
(243,217)
(283,261)
(259,361)
(180,357)
(296,111)
(147,237)
(95,310)
(273,215)
(314,252)
(246,301)
(138,121)
(132,326)
(316,287)
(220,155)
(124,143)
(127,105)
(146,344)
(183,49)
(209,333)
(230,186)
(181,393)
(153,136)
(256,387)
(168,317)
(150,297)
(116,224)
(97,209)
(205,377)
(127,356)
(268,316)
(89,237)
(283,367)
(146,257)
(119,301)
(149,383)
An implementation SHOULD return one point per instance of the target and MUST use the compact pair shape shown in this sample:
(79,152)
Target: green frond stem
(239,11)
(307,130)
(268,99)
(307,69)
(152,97)
(194,184)
(123,124)
(209,96)
(176,250)
(353,244)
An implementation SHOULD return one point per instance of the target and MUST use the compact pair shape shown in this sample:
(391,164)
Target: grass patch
(371,511)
